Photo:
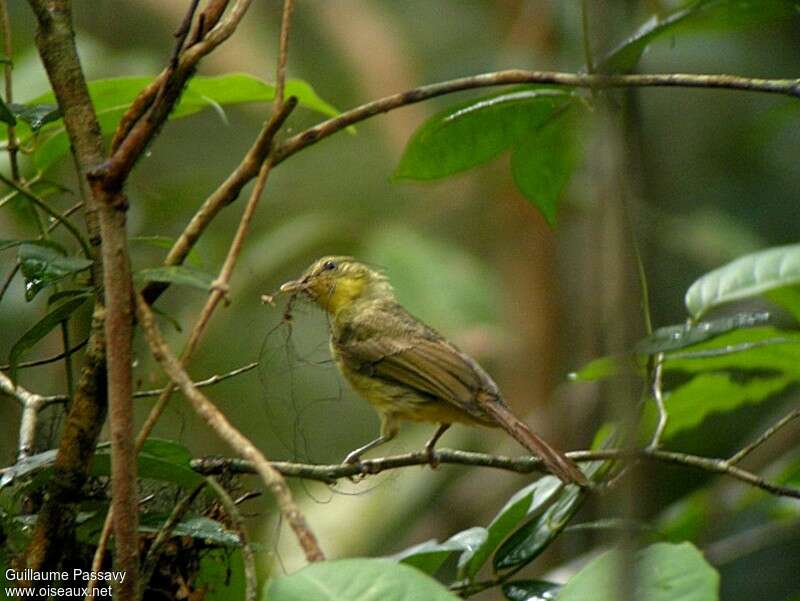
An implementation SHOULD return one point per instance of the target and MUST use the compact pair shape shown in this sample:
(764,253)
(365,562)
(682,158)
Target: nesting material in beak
(292,286)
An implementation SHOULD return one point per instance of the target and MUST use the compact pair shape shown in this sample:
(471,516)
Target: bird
(405,368)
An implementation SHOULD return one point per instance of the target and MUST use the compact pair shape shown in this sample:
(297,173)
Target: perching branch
(787,87)
(31,404)
(522,465)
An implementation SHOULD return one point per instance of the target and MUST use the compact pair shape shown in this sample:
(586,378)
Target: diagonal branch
(214,418)
(787,87)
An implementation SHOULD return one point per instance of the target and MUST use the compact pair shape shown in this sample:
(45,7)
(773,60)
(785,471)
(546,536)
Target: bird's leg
(431,444)
(389,429)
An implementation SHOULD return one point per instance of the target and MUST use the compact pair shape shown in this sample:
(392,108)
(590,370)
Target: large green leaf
(473,132)
(6,115)
(112,98)
(40,329)
(752,275)
(697,15)
(543,161)
(160,459)
(520,507)
(429,556)
(36,115)
(44,264)
(357,580)
(663,572)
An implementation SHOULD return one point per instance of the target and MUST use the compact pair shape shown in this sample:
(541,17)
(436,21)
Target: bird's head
(335,282)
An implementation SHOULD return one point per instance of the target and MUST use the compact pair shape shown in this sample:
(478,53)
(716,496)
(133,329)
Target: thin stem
(50,211)
(587,46)
(767,434)
(67,357)
(658,396)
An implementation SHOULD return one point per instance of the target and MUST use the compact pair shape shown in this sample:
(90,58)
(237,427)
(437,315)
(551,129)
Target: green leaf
(664,572)
(787,297)
(531,590)
(44,265)
(36,115)
(201,528)
(520,507)
(193,258)
(6,116)
(160,459)
(112,98)
(534,536)
(176,274)
(71,293)
(43,327)
(751,275)
(543,161)
(671,338)
(357,580)
(698,15)
(710,393)
(429,556)
(473,132)
(222,573)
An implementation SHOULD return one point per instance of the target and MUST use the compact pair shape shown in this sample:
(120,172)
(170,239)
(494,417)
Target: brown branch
(787,87)
(217,294)
(765,436)
(12,147)
(214,418)
(522,465)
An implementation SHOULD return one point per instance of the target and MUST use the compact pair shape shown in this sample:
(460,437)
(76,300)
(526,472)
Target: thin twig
(50,211)
(51,359)
(248,557)
(765,436)
(214,418)
(522,465)
(787,87)
(140,394)
(283,54)
(587,46)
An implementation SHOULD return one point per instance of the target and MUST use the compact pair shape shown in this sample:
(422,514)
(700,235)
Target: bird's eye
(329,266)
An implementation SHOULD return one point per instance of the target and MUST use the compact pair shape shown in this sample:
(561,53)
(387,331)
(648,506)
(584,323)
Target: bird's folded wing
(431,367)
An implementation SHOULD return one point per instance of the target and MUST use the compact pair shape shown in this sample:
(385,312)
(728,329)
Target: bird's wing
(427,363)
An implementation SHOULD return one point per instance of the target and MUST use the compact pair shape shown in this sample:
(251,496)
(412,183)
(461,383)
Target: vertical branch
(12,146)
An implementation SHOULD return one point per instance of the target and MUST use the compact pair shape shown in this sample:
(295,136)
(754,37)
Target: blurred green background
(707,175)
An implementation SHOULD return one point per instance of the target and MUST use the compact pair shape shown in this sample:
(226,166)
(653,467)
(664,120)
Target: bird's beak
(292,286)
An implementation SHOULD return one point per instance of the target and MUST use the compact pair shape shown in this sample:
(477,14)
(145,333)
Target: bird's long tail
(556,462)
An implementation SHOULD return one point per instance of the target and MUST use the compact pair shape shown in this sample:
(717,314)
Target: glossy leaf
(520,507)
(357,580)
(531,590)
(176,274)
(543,161)
(665,572)
(787,297)
(473,132)
(429,556)
(36,115)
(604,368)
(745,277)
(672,338)
(199,527)
(43,327)
(70,293)
(701,14)
(112,98)
(160,459)
(45,265)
